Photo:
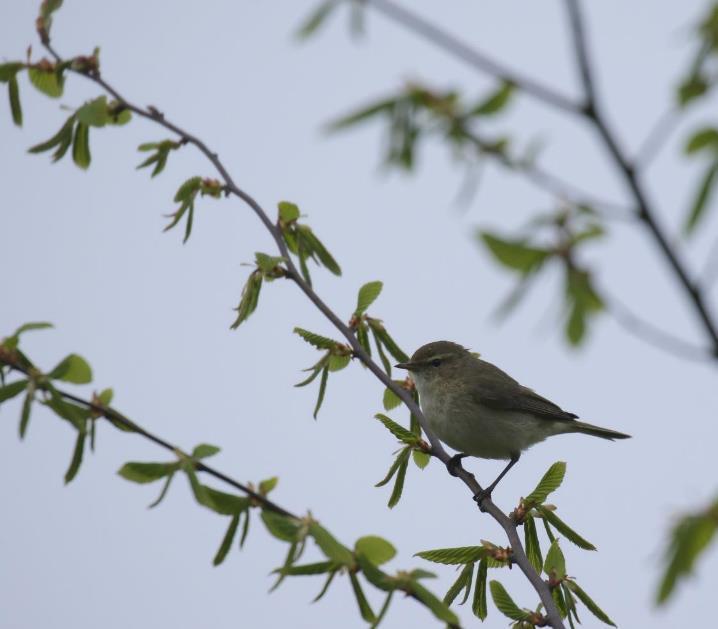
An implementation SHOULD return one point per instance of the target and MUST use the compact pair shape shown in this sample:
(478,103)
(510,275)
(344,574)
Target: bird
(479,410)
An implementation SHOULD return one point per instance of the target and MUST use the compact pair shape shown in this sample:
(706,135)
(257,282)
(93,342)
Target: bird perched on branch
(479,410)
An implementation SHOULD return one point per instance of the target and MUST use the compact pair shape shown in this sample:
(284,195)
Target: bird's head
(436,362)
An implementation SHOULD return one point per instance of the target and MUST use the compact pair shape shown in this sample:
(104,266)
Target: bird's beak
(404,366)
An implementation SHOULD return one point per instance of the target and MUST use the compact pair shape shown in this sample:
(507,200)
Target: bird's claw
(482,495)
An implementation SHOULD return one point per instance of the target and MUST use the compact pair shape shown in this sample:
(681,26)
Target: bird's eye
(436,362)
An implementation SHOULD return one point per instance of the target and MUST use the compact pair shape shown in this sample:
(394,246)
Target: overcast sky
(86,251)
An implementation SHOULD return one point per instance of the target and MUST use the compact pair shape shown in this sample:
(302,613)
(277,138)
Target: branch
(645,210)
(117,417)
(472,56)
(437,450)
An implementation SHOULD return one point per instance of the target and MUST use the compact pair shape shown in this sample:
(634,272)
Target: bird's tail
(597,431)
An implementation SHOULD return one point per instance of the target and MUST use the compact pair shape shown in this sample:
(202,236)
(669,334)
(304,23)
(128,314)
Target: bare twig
(656,138)
(471,55)
(645,211)
(437,450)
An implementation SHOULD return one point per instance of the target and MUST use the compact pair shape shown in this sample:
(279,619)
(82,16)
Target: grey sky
(86,251)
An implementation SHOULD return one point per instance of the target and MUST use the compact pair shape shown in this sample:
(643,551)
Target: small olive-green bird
(479,410)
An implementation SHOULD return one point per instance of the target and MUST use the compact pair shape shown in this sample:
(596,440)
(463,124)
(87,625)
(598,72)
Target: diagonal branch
(437,450)
(645,210)
(115,416)
(472,56)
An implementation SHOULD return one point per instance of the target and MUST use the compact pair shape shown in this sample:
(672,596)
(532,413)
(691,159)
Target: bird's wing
(496,389)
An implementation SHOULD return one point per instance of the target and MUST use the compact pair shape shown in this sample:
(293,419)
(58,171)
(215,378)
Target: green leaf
(27,327)
(204,450)
(318,341)
(689,538)
(692,88)
(62,139)
(14,96)
(267,263)
(533,547)
(81,146)
(320,250)
(374,575)
(563,528)
(582,301)
(163,493)
(288,212)
(454,556)
(515,254)
(268,485)
(495,102)
(479,605)
(706,138)
(589,603)
(555,564)
(435,604)
(72,368)
(8,71)
(316,18)
(402,456)
(383,338)
(249,300)
(226,541)
(13,389)
(700,203)
(337,362)
(76,457)
(94,112)
(223,503)
(200,491)
(280,526)
(463,582)
(504,603)
(383,610)
(309,569)
(76,415)
(322,390)
(375,549)
(421,458)
(26,408)
(367,296)
(549,483)
(391,400)
(364,608)
(401,433)
(326,585)
(331,548)
(362,115)
(49,82)
(146,472)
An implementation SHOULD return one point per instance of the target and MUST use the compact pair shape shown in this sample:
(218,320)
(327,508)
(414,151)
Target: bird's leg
(454,463)
(486,493)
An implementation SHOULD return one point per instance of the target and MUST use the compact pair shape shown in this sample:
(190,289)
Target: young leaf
(403,455)
(533,547)
(375,549)
(318,341)
(454,556)
(81,146)
(9,391)
(309,569)
(14,96)
(288,212)
(47,80)
(555,563)
(421,458)
(549,483)
(268,485)
(226,541)
(563,528)
(703,195)
(515,254)
(249,300)
(200,491)
(435,604)
(94,112)
(589,603)
(391,400)
(280,526)
(463,582)
(163,493)
(326,585)
(72,368)
(495,102)
(316,18)
(146,472)
(62,139)
(76,456)
(224,503)
(331,548)
(367,295)
(479,605)
(322,390)
(504,603)
(382,337)
(364,608)
(337,362)
(319,249)
(26,408)
(204,450)
(706,138)
(383,610)
(401,433)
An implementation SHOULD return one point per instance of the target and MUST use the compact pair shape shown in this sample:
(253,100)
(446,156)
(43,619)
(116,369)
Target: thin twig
(645,211)
(651,146)
(471,55)
(437,450)
(652,334)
